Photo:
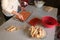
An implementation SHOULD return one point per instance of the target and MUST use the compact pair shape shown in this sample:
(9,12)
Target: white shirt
(9,5)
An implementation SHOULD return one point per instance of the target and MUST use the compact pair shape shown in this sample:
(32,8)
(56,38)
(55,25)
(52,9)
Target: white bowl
(39,4)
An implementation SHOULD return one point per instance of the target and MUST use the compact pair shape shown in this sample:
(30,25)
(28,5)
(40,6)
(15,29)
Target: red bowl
(34,21)
(49,22)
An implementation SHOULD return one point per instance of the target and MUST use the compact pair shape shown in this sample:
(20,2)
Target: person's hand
(19,16)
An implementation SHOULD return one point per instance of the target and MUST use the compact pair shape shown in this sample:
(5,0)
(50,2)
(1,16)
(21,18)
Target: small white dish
(39,4)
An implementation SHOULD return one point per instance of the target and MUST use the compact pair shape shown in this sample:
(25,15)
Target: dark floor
(2,19)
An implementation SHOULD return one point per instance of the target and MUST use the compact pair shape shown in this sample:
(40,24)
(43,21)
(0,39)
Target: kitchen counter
(19,35)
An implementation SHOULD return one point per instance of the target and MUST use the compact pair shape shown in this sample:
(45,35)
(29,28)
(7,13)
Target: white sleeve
(15,6)
(19,4)
(6,6)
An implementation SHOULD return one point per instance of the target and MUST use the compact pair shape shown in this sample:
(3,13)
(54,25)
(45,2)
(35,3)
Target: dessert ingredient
(34,21)
(37,32)
(11,28)
(48,8)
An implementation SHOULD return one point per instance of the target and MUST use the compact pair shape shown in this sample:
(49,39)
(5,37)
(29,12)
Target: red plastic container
(34,21)
(49,22)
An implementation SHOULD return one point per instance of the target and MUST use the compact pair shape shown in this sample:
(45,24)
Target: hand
(20,17)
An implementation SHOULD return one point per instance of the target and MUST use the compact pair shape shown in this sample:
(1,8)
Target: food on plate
(11,28)
(25,15)
(37,32)
(34,21)
(48,8)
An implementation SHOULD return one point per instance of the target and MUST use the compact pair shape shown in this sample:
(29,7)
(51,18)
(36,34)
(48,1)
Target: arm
(6,7)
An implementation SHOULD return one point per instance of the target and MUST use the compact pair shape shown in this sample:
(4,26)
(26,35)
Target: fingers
(21,17)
